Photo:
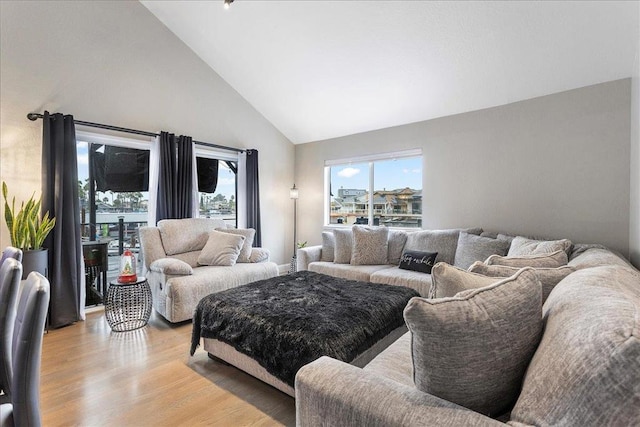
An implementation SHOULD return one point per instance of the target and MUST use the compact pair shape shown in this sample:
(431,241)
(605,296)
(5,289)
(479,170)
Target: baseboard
(283,269)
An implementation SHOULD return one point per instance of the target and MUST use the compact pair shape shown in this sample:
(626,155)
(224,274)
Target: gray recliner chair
(24,409)
(10,274)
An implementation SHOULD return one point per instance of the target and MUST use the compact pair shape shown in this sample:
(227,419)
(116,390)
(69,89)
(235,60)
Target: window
(383,190)
(217,185)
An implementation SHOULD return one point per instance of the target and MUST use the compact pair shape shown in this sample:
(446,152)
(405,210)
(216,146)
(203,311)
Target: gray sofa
(321,258)
(585,371)
(178,282)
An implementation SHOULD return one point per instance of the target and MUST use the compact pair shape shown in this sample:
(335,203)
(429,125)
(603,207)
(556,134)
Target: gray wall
(115,63)
(554,166)
(634,225)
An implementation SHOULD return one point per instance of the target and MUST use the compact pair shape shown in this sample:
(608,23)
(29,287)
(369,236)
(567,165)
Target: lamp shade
(293,192)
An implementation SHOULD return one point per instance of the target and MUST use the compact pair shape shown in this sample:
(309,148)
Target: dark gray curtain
(253,196)
(60,198)
(184,172)
(175,177)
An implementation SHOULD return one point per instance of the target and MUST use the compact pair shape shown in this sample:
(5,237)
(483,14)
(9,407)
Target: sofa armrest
(307,255)
(259,255)
(333,393)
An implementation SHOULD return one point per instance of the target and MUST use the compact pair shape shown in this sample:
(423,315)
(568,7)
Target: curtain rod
(35,116)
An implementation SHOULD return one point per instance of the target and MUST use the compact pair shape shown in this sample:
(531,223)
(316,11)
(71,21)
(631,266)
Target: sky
(388,174)
(226,178)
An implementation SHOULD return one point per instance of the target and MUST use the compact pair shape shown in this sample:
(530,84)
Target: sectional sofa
(570,351)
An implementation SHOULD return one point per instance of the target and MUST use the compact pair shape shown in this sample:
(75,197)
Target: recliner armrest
(305,256)
(334,393)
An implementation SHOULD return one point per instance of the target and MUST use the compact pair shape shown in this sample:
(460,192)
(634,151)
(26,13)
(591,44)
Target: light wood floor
(94,377)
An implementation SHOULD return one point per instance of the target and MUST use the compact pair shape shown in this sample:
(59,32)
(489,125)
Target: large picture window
(380,190)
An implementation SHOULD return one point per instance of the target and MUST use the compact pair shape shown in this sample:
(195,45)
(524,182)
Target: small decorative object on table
(127,268)
(128,305)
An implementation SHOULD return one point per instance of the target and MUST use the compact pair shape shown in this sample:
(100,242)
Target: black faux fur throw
(288,321)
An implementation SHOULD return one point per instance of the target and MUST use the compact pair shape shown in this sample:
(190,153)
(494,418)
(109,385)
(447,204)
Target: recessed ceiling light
(227,3)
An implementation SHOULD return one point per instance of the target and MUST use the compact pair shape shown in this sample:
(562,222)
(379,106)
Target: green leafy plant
(302,245)
(27,229)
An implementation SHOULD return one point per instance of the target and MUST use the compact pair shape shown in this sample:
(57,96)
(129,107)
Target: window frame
(212,153)
(370,160)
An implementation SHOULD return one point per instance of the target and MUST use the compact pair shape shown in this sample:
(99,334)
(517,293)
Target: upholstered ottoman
(273,327)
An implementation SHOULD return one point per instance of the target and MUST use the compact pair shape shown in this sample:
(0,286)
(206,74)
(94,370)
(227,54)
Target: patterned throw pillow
(221,249)
(473,248)
(474,349)
(369,245)
(524,246)
(418,261)
(447,280)
(344,243)
(553,260)
(549,277)
(328,246)
(249,234)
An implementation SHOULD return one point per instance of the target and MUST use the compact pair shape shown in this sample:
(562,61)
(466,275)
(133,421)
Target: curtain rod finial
(32,116)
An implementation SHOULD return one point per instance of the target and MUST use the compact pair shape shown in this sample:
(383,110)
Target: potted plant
(27,231)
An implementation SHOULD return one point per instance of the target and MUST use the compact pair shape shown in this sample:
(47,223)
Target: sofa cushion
(474,350)
(585,256)
(442,241)
(395,362)
(249,234)
(447,280)
(395,245)
(552,260)
(422,262)
(369,245)
(586,370)
(549,277)
(221,249)
(186,235)
(171,266)
(328,246)
(346,271)
(421,282)
(524,246)
(344,244)
(473,248)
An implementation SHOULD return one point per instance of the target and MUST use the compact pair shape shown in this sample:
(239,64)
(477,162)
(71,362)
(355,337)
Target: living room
(549,147)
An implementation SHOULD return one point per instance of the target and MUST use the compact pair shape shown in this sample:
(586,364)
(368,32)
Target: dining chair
(10,274)
(28,331)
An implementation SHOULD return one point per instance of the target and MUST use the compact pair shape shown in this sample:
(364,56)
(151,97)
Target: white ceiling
(323,69)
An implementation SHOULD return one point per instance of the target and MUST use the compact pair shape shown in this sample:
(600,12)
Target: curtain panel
(253,196)
(174,197)
(60,198)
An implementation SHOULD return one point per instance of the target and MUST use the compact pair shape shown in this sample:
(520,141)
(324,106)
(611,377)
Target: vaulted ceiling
(324,69)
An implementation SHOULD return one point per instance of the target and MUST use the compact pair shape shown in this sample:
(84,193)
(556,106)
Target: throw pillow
(473,350)
(447,280)
(328,246)
(221,249)
(524,246)
(549,277)
(395,245)
(418,261)
(369,245)
(171,266)
(473,248)
(344,243)
(553,260)
(249,234)
(259,255)
(444,242)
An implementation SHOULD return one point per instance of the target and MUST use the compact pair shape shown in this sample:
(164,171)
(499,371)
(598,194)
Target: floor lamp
(293,194)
